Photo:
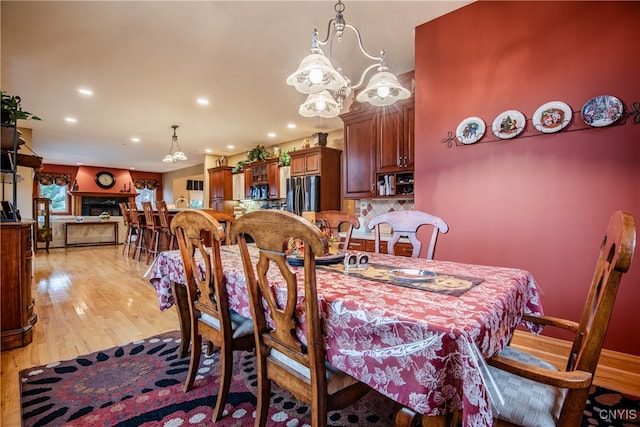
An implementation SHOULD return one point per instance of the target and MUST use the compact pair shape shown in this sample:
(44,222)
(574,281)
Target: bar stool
(163,214)
(153,230)
(126,218)
(139,227)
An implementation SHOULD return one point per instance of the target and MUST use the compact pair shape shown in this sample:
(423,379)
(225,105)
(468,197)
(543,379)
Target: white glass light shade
(179,155)
(168,158)
(320,105)
(383,89)
(315,74)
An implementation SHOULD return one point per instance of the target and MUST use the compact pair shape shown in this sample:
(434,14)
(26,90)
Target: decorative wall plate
(552,117)
(602,110)
(470,130)
(508,124)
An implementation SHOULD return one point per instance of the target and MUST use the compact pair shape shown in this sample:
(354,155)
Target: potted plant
(285,158)
(257,154)
(12,110)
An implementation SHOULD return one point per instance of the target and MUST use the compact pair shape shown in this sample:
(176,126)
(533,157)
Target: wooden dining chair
(536,391)
(406,224)
(335,220)
(163,216)
(300,368)
(211,317)
(224,219)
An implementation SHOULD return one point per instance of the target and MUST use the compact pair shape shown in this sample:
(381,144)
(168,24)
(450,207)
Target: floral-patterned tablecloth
(416,346)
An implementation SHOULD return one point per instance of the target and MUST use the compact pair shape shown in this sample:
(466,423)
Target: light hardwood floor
(86,299)
(92,298)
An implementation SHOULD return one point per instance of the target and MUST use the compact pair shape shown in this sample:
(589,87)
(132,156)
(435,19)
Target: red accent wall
(87,183)
(542,202)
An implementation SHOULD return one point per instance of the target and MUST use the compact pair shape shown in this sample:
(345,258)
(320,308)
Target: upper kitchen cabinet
(262,180)
(379,147)
(220,187)
(314,161)
(359,155)
(394,138)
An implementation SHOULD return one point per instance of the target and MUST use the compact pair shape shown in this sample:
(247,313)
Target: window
(196,199)
(54,186)
(145,195)
(58,195)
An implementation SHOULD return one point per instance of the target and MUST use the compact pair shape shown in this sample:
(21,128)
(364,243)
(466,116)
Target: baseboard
(616,371)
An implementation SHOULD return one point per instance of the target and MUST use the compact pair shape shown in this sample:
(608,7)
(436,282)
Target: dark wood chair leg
(194,362)
(184,317)
(226,361)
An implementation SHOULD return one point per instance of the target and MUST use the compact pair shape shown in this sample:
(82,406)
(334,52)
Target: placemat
(448,284)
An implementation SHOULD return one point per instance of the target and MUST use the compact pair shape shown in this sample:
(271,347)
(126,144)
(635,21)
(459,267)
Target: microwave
(260,192)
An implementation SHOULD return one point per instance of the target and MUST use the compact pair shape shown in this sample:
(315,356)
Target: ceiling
(148,61)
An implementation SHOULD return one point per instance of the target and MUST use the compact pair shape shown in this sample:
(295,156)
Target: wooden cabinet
(263,174)
(273,179)
(220,187)
(306,162)
(42,231)
(367,245)
(379,146)
(248,181)
(325,162)
(16,306)
(394,139)
(359,155)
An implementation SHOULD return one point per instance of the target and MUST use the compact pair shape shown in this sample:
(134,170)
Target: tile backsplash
(366,209)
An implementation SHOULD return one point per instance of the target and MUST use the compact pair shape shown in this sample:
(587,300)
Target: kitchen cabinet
(248,180)
(326,163)
(379,146)
(359,155)
(42,231)
(394,139)
(273,179)
(264,173)
(220,187)
(306,162)
(16,306)
(368,245)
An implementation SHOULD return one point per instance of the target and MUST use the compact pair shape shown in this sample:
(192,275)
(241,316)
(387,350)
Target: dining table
(413,329)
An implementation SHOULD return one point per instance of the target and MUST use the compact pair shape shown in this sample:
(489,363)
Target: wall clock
(105,179)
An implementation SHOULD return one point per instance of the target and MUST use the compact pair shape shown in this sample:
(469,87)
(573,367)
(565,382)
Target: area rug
(141,384)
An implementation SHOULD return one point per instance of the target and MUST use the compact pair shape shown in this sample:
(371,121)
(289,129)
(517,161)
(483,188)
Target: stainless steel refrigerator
(303,194)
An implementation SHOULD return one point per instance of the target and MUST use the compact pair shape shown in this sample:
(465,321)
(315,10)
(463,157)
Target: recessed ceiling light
(208,150)
(202,101)
(132,168)
(86,92)
(291,125)
(230,147)
(70,119)
(79,163)
(271,134)
(135,139)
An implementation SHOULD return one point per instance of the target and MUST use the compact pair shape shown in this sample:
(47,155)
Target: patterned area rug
(140,384)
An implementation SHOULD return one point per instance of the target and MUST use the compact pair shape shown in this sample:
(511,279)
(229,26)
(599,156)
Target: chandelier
(327,87)
(174,156)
